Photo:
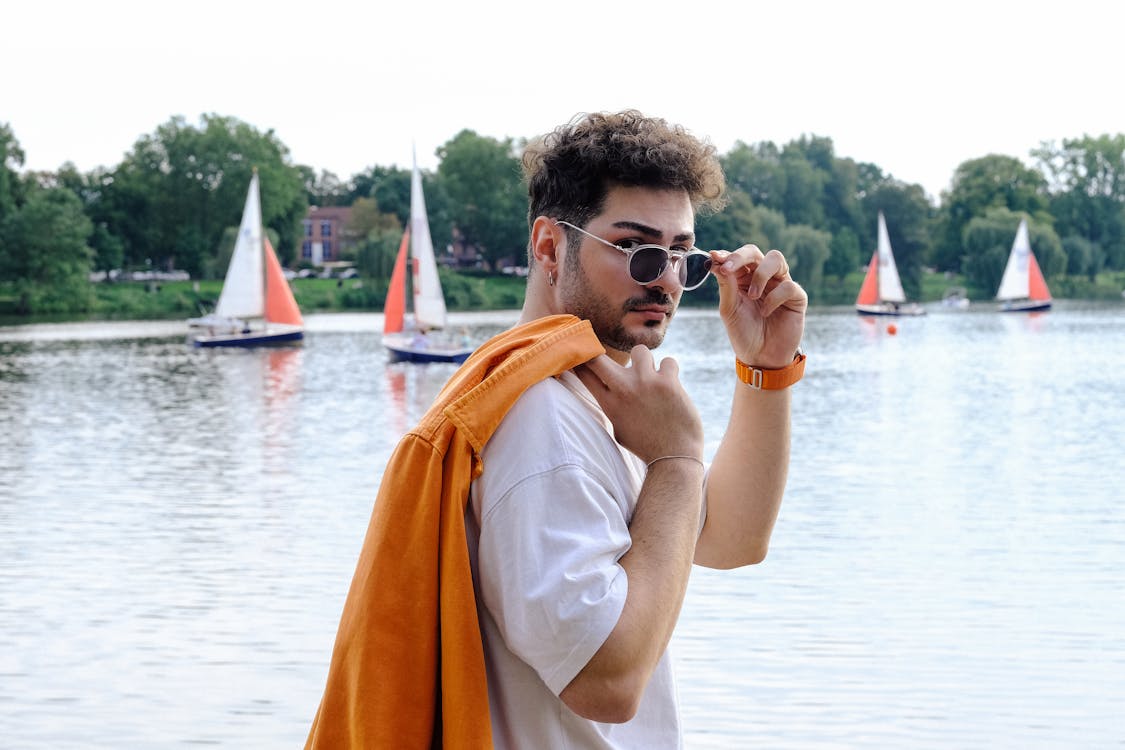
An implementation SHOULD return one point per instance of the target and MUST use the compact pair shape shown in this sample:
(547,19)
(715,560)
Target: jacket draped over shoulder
(407,668)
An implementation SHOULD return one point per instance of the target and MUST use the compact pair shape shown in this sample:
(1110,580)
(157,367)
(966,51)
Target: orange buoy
(892,329)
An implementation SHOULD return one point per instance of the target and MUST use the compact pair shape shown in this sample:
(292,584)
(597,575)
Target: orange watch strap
(771,380)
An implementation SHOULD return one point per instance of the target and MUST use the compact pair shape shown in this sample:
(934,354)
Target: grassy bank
(140,300)
(463,291)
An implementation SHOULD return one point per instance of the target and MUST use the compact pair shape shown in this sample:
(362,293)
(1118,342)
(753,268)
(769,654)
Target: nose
(669,279)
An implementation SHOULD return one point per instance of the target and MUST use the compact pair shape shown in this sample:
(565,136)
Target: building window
(325,229)
(328,249)
(308,228)
(306,249)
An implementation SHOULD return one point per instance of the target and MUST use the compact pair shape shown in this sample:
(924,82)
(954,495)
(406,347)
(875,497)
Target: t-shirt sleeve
(549,572)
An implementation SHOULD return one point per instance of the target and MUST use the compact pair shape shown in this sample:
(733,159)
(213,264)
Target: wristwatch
(772,380)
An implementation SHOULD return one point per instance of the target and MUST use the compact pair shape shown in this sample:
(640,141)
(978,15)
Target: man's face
(595,281)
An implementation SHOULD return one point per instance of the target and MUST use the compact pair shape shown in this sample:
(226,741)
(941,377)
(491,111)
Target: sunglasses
(647,263)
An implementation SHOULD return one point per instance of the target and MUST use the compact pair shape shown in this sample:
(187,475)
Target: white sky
(914,88)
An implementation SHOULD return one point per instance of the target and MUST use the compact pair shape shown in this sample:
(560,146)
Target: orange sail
(869,292)
(281,307)
(394,309)
(1036,284)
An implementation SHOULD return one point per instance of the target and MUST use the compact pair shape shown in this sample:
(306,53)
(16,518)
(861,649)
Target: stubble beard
(606,320)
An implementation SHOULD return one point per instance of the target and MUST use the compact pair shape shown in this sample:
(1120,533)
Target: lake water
(178,529)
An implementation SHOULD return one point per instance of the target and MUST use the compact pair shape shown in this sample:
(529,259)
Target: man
(589,500)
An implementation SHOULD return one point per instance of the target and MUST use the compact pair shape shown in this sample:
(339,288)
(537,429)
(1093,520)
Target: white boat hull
(891,308)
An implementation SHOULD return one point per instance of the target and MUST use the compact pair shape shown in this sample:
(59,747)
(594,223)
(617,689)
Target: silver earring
(550,278)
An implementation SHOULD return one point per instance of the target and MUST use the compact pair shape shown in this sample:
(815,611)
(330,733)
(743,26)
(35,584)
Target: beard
(580,300)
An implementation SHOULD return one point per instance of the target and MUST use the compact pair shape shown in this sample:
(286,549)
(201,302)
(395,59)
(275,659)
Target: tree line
(176,198)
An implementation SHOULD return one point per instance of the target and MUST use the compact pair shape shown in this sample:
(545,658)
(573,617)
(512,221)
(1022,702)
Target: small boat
(881,292)
(427,339)
(256,306)
(955,298)
(1022,287)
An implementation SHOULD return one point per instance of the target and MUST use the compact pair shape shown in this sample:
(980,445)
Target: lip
(652,312)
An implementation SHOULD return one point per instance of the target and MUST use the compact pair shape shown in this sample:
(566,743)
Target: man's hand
(762,307)
(652,414)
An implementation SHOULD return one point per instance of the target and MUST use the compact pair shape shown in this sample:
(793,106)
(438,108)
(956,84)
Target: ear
(545,240)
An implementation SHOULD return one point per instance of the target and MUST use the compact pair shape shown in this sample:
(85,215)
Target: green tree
(908,215)
(46,258)
(845,253)
(758,172)
(978,185)
(988,241)
(180,187)
(390,189)
(806,250)
(487,200)
(11,159)
(1083,258)
(375,253)
(1088,191)
(324,189)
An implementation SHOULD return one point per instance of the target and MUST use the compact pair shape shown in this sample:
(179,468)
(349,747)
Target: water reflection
(178,529)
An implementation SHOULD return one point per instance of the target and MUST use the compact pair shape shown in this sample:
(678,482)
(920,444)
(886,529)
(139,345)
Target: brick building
(326,234)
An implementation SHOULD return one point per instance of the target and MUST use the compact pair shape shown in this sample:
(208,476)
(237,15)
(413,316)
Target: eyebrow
(636,226)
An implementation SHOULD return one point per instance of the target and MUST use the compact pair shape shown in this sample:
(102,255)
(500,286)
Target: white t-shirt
(547,523)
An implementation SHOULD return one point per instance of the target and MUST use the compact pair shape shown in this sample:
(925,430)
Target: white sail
(244,294)
(1015,283)
(429,304)
(890,287)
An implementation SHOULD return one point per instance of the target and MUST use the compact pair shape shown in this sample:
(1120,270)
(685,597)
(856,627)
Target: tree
(978,185)
(487,200)
(756,171)
(379,235)
(11,158)
(1083,258)
(1088,191)
(988,241)
(45,256)
(180,187)
(324,189)
(806,250)
(908,215)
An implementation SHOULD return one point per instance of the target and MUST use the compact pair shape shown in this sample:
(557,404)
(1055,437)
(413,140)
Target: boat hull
(401,350)
(267,337)
(1025,305)
(890,309)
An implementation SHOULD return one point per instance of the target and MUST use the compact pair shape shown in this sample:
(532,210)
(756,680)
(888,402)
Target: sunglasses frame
(678,261)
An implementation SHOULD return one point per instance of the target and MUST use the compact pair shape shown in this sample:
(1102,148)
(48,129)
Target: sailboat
(881,293)
(426,340)
(256,306)
(1022,287)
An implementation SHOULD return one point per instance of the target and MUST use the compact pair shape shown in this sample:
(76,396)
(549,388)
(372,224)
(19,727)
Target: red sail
(1036,284)
(281,307)
(869,292)
(394,309)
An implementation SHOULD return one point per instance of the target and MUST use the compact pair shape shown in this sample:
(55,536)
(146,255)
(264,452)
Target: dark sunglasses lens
(648,264)
(695,267)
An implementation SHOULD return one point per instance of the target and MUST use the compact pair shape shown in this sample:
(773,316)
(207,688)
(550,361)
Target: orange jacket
(407,670)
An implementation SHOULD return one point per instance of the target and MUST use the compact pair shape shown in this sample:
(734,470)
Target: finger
(670,367)
(744,257)
(788,294)
(773,267)
(642,359)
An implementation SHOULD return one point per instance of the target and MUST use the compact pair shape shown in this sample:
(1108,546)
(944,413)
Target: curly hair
(570,170)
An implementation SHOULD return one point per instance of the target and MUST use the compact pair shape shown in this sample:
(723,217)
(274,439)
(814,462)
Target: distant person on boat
(420,340)
(532,540)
